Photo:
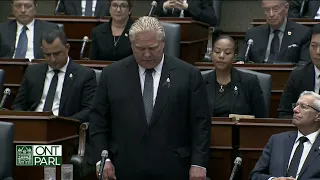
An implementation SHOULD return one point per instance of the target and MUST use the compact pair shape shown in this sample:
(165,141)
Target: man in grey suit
(294,155)
(151,113)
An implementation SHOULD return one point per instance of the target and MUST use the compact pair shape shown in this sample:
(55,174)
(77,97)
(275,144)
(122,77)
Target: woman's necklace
(115,42)
(221,90)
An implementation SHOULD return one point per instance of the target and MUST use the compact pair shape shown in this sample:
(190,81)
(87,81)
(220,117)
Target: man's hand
(284,178)
(109,172)
(180,4)
(169,4)
(197,173)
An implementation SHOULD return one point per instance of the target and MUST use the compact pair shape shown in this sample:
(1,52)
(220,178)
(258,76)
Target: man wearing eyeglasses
(22,36)
(302,78)
(95,8)
(294,155)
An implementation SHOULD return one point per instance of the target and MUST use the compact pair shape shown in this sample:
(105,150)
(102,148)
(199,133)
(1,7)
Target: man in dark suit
(199,10)
(280,40)
(22,36)
(59,85)
(96,8)
(302,78)
(294,155)
(151,113)
(310,9)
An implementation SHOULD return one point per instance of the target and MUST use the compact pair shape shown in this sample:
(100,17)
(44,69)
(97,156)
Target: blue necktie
(22,46)
(88,9)
(148,94)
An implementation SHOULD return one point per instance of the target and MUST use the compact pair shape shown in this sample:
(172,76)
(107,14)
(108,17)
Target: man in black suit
(280,40)
(310,9)
(302,78)
(199,10)
(294,155)
(59,85)
(96,8)
(22,36)
(151,113)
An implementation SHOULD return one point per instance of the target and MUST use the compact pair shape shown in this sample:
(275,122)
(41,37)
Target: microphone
(57,7)
(84,43)
(153,6)
(302,8)
(6,93)
(237,164)
(250,43)
(104,156)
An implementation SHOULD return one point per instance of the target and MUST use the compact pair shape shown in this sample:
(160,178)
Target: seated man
(280,40)
(302,78)
(96,8)
(311,9)
(294,155)
(199,10)
(59,85)
(22,36)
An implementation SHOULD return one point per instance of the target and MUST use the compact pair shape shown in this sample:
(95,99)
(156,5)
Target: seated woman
(110,40)
(229,90)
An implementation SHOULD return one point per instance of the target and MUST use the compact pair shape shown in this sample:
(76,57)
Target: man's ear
(318,117)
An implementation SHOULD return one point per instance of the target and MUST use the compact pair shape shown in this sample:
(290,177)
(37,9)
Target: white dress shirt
(30,35)
(316,80)
(57,96)
(317,16)
(83,7)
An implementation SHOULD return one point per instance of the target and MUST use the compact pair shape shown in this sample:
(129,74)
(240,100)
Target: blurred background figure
(96,8)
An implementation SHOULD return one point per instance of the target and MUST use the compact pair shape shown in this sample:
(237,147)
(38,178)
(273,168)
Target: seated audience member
(311,9)
(294,155)
(22,36)
(280,40)
(302,78)
(231,91)
(199,10)
(97,8)
(110,40)
(59,85)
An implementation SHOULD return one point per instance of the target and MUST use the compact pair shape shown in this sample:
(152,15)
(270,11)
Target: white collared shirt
(30,35)
(307,147)
(83,7)
(57,96)
(156,78)
(316,80)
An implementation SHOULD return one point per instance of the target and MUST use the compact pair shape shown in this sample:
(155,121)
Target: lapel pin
(125,34)
(235,88)
(289,33)
(168,80)
(70,76)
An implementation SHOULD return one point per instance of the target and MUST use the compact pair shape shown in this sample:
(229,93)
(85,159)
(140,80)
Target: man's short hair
(50,36)
(34,2)
(316,29)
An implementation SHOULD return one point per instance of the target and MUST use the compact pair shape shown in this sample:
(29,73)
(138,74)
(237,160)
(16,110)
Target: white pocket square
(292,46)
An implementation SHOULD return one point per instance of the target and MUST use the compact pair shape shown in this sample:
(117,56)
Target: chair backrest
(173,38)
(98,73)
(265,81)
(217,9)
(6,150)
(61,26)
(1,80)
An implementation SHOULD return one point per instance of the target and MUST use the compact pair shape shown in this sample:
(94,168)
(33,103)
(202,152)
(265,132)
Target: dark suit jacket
(300,35)
(73,7)
(76,96)
(8,32)
(301,79)
(247,100)
(199,10)
(310,8)
(275,158)
(179,133)
(102,48)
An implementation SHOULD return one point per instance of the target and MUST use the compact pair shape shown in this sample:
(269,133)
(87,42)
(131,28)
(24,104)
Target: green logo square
(24,155)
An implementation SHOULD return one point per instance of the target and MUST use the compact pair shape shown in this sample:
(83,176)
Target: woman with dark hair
(231,91)
(110,40)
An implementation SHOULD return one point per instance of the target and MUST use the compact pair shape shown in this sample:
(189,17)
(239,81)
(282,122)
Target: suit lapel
(286,40)
(211,86)
(42,76)
(235,86)
(310,74)
(163,89)
(69,77)
(37,38)
(288,145)
(77,6)
(12,30)
(98,7)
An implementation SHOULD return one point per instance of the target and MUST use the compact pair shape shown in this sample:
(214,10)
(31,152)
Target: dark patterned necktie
(51,92)
(274,48)
(294,164)
(148,94)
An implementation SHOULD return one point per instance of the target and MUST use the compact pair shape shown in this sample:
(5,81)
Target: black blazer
(179,133)
(73,7)
(8,32)
(301,79)
(310,8)
(299,35)
(199,10)
(247,100)
(77,93)
(102,47)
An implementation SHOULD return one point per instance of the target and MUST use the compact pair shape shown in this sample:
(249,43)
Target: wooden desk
(304,21)
(193,45)
(279,73)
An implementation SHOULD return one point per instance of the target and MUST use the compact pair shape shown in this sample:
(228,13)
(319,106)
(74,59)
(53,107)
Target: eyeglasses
(121,6)
(26,6)
(303,106)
